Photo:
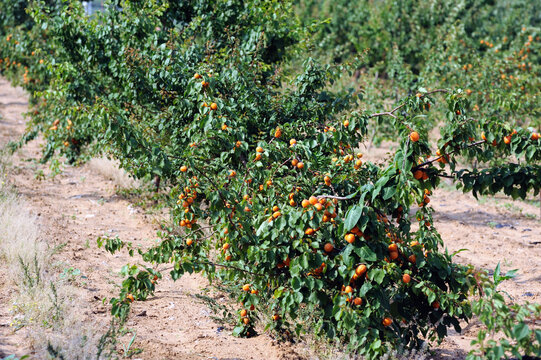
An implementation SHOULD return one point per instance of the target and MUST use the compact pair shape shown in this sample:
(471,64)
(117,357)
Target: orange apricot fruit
(328,248)
(414,136)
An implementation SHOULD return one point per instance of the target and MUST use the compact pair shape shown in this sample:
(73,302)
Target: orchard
(245,112)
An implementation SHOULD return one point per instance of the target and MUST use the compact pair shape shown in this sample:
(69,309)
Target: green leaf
(497,273)
(521,331)
(331,333)
(458,251)
(365,289)
(347,260)
(379,185)
(296,283)
(366,254)
(389,192)
(498,352)
(376,275)
(376,344)
(352,217)
(262,228)
(237,330)
(538,335)
(431,297)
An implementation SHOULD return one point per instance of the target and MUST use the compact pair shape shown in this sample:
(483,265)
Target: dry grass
(110,170)
(45,307)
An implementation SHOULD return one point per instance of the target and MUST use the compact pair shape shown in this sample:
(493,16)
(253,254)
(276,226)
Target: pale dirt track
(79,205)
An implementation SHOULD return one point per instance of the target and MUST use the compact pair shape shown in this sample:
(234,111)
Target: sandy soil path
(494,230)
(79,205)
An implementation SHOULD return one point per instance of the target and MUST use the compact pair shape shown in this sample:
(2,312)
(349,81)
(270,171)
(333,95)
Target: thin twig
(391,113)
(218,265)
(209,236)
(334,197)
(446,176)
(452,152)
(233,267)
(383,114)
(279,166)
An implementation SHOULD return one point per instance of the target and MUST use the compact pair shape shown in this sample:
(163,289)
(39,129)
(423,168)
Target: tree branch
(391,113)
(452,152)
(334,197)
(218,265)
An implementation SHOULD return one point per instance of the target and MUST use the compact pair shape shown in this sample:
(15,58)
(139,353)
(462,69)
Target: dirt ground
(80,205)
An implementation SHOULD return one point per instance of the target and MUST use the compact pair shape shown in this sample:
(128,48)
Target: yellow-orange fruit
(350,238)
(328,247)
(361,269)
